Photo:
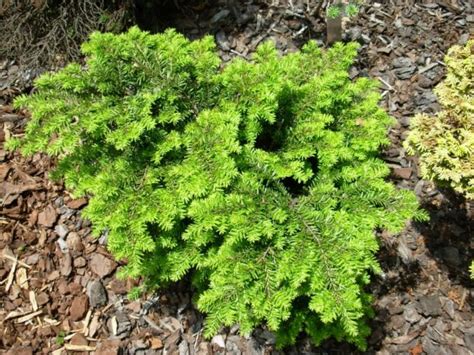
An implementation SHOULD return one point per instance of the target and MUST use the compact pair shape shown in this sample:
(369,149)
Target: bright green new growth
(261,179)
(445,142)
(339,8)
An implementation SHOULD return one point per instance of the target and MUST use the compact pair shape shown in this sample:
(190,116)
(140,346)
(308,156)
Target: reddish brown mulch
(58,291)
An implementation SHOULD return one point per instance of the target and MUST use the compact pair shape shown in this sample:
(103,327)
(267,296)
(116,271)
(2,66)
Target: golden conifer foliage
(445,142)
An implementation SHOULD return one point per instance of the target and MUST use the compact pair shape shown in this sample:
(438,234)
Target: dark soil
(58,291)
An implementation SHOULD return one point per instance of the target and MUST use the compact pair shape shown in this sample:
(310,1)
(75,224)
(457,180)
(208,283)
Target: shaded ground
(61,295)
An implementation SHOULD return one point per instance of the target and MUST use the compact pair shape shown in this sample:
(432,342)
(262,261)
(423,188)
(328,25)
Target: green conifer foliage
(261,179)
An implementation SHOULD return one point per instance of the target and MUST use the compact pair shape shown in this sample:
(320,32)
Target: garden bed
(59,289)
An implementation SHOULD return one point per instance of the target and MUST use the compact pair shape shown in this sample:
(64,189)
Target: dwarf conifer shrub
(261,179)
(445,141)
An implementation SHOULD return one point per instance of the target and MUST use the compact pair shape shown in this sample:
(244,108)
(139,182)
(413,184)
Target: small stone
(79,308)
(430,305)
(48,216)
(61,230)
(96,293)
(76,204)
(101,265)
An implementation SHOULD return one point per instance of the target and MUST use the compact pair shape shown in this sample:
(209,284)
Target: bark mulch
(58,289)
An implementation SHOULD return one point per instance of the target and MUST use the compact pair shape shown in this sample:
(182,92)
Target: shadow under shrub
(260,179)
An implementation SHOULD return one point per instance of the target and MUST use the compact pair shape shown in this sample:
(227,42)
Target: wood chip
(114,322)
(428,67)
(71,347)
(11,276)
(463,299)
(94,326)
(22,278)
(12,258)
(29,316)
(14,314)
(51,321)
(70,336)
(57,352)
(152,324)
(85,329)
(106,308)
(33,302)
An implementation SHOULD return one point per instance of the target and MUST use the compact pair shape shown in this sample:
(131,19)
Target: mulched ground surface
(58,291)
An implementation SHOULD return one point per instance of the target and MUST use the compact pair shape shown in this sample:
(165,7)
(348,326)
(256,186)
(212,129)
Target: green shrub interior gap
(261,180)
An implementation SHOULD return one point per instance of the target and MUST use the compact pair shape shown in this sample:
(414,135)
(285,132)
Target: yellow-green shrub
(445,142)
(260,179)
